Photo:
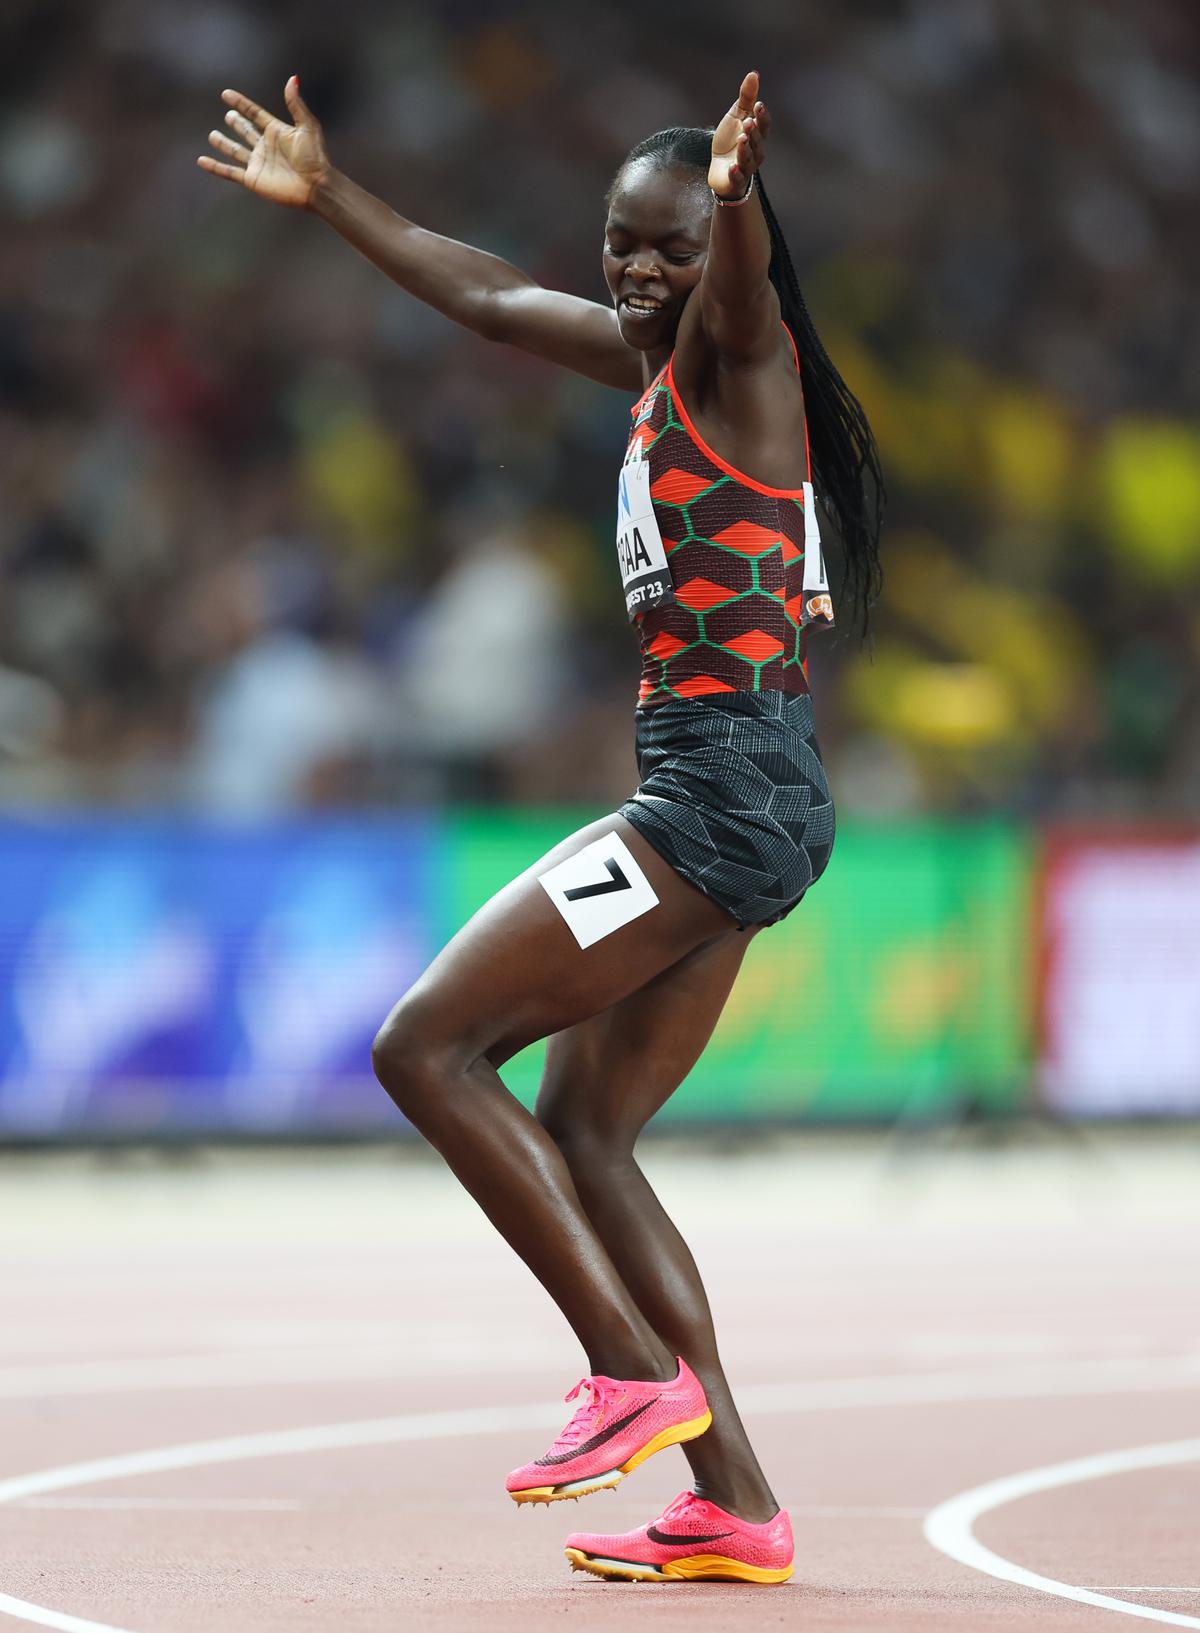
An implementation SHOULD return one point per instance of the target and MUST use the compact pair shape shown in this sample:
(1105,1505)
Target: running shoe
(692,1540)
(622,1423)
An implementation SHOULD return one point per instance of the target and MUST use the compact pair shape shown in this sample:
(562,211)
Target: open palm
(280,162)
(739,142)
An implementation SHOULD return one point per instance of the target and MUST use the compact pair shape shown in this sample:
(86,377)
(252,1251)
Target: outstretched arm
(289,165)
(479,290)
(738,306)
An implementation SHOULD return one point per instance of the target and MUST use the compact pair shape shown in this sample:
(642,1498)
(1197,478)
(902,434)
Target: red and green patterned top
(735,548)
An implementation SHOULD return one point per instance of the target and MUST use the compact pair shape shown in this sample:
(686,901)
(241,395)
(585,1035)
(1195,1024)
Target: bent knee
(584,1137)
(411,1061)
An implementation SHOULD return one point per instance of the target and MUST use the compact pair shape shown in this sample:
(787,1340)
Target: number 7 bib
(645,574)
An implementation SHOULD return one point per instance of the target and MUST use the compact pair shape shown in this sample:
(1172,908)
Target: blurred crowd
(272,535)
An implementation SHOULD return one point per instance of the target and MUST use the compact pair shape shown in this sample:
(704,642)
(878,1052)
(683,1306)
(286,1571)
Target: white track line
(190,1505)
(338,1364)
(280,1442)
(826,1513)
(238,1368)
(949,1526)
(53,1618)
(824,1395)
(241,1448)
(1110,1376)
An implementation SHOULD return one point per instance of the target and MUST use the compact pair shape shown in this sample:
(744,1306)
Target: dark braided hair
(845,458)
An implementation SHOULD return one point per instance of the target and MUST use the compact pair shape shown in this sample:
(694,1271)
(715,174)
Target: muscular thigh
(517,971)
(610,1073)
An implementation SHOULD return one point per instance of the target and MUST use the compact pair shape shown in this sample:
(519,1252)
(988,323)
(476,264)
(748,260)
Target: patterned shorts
(733,793)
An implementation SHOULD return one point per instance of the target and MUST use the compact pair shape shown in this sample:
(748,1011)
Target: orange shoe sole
(691,1568)
(674,1436)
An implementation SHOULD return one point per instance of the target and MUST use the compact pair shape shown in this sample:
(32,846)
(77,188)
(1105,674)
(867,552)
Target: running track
(282,1391)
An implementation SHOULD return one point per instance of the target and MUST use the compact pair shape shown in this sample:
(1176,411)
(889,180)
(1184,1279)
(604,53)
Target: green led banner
(898,987)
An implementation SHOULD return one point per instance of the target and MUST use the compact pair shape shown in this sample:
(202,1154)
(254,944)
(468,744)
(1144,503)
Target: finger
(748,161)
(251,110)
(228,172)
(231,150)
(753,134)
(297,106)
(748,92)
(762,114)
(244,128)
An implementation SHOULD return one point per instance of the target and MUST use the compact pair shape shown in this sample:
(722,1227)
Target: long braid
(846,465)
(845,456)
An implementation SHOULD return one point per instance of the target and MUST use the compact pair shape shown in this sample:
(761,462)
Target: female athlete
(621,945)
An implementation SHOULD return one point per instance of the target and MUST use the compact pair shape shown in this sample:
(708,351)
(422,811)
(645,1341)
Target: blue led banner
(156,976)
(165,978)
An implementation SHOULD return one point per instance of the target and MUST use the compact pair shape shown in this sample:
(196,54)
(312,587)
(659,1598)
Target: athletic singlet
(737,601)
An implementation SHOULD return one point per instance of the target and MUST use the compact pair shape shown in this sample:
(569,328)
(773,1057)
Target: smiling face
(655,246)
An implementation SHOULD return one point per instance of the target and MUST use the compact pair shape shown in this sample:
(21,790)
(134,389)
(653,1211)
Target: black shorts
(733,793)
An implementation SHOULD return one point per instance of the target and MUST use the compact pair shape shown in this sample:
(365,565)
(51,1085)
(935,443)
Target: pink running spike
(623,1422)
(692,1540)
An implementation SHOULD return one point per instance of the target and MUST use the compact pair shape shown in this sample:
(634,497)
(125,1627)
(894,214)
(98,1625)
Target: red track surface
(945,1320)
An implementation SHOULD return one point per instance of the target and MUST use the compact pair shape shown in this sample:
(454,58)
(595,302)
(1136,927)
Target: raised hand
(739,142)
(284,163)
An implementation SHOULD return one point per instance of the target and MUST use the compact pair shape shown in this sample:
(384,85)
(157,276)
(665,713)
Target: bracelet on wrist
(732,203)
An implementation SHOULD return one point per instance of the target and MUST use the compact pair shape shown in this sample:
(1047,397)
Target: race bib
(817,605)
(645,575)
(599,889)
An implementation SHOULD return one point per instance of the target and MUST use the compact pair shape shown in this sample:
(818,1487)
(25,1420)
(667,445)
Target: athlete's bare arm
(738,304)
(733,361)
(289,165)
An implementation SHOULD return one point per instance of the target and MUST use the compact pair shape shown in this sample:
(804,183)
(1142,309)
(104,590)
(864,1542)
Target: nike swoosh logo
(616,881)
(607,1433)
(669,1541)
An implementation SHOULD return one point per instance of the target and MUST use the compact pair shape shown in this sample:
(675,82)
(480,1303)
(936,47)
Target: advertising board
(1119,1007)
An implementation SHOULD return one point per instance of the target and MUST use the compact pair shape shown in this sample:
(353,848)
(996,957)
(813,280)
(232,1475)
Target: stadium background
(274,541)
